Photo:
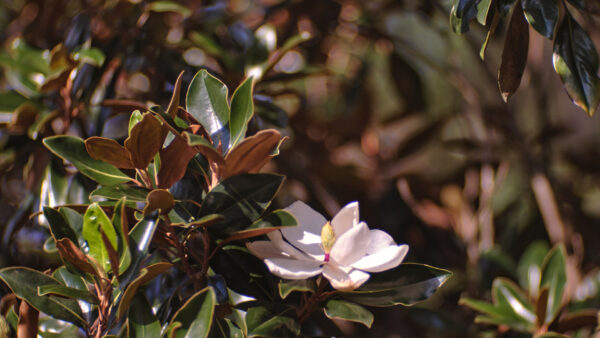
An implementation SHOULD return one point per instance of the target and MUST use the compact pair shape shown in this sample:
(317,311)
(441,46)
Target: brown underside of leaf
(145,141)
(28,321)
(159,199)
(72,254)
(174,160)
(109,151)
(514,54)
(113,256)
(174,103)
(251,154)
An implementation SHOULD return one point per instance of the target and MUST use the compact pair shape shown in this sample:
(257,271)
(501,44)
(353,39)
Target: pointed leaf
(262,323)
(206,101)
(109,151)
(251,154)
(141,322)
(119,221)
(576,61)
(23,282)
(144,141)
(65,291)
(196,315)
(135,117)
(554,276)
(58,226)
(288,286)
(529,269)
(75,221)
(340,309)
(407,284)
(174,103)
(542,15)
(273,221)
(93,221)
(242,109)
(147,274)
(73,150)
(509,297)
(514,54)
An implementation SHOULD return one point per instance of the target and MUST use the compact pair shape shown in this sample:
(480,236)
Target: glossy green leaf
(463,11)
(407,284)
(508,297)
(262,323)
(73,150)
(132,193)
(554,276)
(529,269)
(241,199)
(196,315)
(135,117)
(542,15)
(242,109)
(339,309)
(206,101)
(69,279)
(119,221)
(23,282)
(288,286)
(483,10)
(75,221)
(65,291)
(139,242)
(141,322)
(59,226)
(576,61)
(94,220)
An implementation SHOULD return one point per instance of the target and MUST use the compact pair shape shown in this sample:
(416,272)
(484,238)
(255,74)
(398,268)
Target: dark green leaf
(275,220)
(348,311)
(65,291)
(139,241)
(75,221)
(73,150)
(132,193)
(514,54)
(576,61)
(407,284)
(94,220)
(195,316)
(59,227)
(223,327)
(463,11)
(69,279)
(288,286)
(24,282)
(554,276)
(241,199)
(542,15)
(141,322)
(206,101)
(262,323)
(242,109)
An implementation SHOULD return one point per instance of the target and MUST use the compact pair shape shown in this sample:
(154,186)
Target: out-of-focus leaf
(206,101)
(169,6)
(147,274)
(174,160)
(541,15)
(240,199)
(262,323)
(529,269)
(483,10)
(29,318)
(93,56)
(463,11)
(135,117)
(132,193)
(576,320)
(554,276)
(288,286)
(578,3)
(251,154)
(144,141)
(73,150)
(407,284)
(541,306)
(576,61)
(514,54)
(223,327)
(340,309)
(109,151)
(242,109)
(508,296)
(23,282)
(94,221)
(141,322)
(65,291)
(195,316)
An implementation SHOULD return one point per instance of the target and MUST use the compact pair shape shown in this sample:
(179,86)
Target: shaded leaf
(554,277)
(175,97)
(288,286)
(576,320)
(514,54)
(275,220)
(109,151)
(261,322)
(340,309)
(65,291)
(119,221)
(23,282)
(242,109)
(58,226)
(141,322)
(576,61)
(195,316)
(463,11)
(73,150)
(72,254)
(136,194)
(135,117)
(542,15)
(139,241)
(147,274)
(144,141)
(204,147)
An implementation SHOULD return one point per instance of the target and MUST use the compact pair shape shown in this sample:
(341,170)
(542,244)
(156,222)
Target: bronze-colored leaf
(28,320)
(23,118)
(577,320)
(159,199)
(144,141)
(113,256)
(541,305)
(174,160)
(174,103)
(109,151)
(56,81)
(72,254)
(514,54)
(251,154)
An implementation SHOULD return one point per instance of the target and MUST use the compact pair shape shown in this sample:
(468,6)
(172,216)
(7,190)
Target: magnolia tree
(182,242)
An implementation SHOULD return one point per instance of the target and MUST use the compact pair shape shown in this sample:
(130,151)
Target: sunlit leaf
(94,220)
(195,316)
(242,109)
(340,309)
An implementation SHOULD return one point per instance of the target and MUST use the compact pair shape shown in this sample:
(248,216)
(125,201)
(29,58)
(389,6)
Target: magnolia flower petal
(307,235)
(379,239)
(384,259)
(344,281)
(264,249)
(292,268)
(345,218)
(285,247)
(351,246)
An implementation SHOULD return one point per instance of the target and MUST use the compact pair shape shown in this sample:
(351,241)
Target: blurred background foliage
(382,102)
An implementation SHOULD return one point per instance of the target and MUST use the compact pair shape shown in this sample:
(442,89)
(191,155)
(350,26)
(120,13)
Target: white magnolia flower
(343,250)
